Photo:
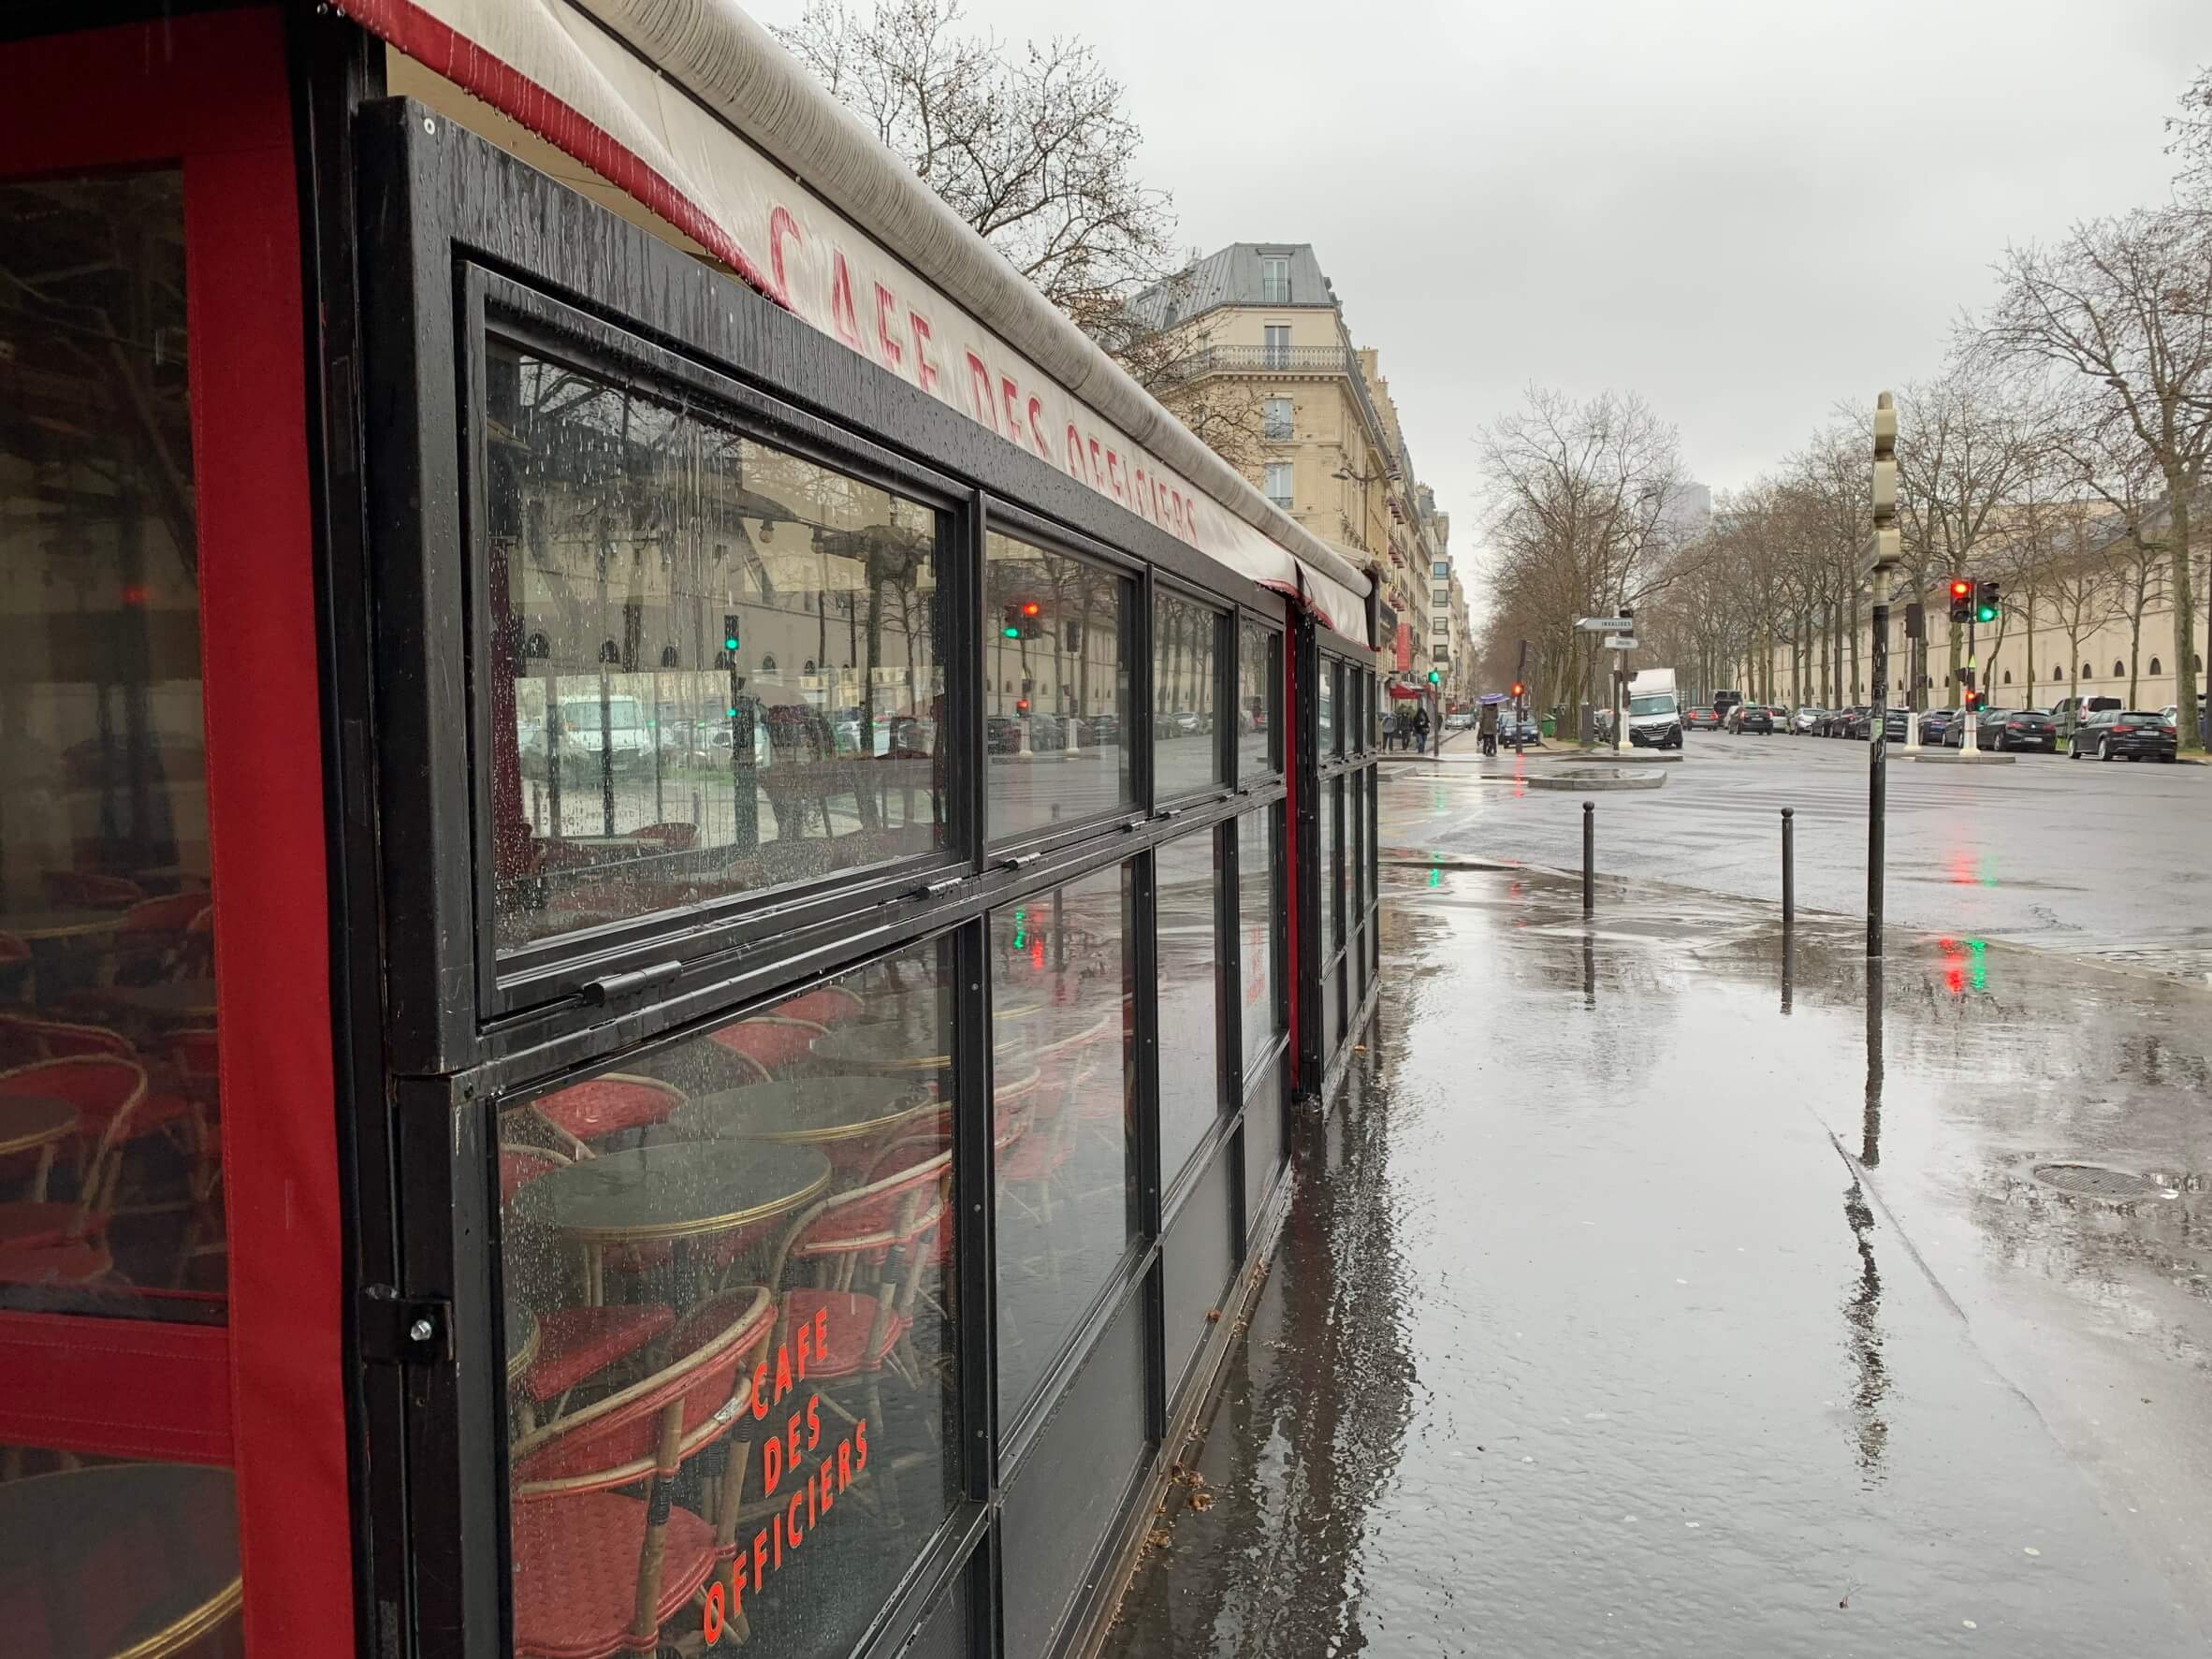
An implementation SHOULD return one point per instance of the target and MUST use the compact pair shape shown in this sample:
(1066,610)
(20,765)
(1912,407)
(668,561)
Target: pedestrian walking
(1390,732)
(1420,732)
(1486,726)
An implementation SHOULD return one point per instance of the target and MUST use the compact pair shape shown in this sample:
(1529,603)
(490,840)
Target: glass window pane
(1325,705)
(721,669)
(1056,687)
(1067,1176)
(1355,714)
(1185,665)
(1260,691)
(743,1240)
(66,1521)
(1187,879)
(1258,926)
(107,1076)
(1332,731)
(1331,810)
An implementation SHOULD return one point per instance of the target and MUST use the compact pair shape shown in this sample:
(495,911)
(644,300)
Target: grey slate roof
(1231,276)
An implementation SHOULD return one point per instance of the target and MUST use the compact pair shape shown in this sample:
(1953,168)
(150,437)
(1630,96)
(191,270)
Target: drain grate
(2091,1181)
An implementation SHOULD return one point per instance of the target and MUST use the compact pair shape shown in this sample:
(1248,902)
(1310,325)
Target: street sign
(1618,642)
(1604,624)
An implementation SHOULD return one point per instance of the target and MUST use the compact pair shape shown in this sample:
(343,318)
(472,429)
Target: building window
(2087,673)
(1275,419)
(2119,669)
(1259,689)
(2154,666)
(1443,596)
(1441,569)
(2008,676)
(1443,653)
(1278,484)
(2056,672)
(1441,625)
(1275,279)
(1276,352)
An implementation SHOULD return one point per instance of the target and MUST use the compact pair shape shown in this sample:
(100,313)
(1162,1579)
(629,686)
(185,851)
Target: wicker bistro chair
(604,1555)
(774,1042)
(865,1251)
(615,1104)
(46,1241)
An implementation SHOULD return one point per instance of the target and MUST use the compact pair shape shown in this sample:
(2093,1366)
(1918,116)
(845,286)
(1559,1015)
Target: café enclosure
(671,873)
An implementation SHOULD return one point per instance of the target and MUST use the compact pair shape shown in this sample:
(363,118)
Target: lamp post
(1883,557)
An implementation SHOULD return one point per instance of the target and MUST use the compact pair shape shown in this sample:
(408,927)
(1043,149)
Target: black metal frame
(453,232)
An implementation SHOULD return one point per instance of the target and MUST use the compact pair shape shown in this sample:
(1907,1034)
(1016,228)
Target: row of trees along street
(2060,449)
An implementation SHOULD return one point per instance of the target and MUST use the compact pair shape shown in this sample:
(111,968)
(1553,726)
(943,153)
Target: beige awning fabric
(693,108)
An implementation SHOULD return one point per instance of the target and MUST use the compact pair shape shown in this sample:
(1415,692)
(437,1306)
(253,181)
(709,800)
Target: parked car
(1701,718)
(1724,701)
(1935,723)
(1805,722)
(1521,734)
(1756,718)
(1849,722)
(2000,729)
(2110,734)
(1897,723)
(2070,712)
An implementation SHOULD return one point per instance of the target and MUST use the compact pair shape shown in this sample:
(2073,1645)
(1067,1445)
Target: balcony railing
(1214,359)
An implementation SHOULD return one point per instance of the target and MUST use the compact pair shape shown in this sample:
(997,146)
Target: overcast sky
(1745,210)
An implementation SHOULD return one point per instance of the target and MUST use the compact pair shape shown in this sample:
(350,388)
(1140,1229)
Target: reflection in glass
(1259,696)
(1325,707)
(1257,915)
(721,660)
(111,1151)
(740,1247)
(1332,886)
(1056,687)
(1063,1099)
(66,1521)
(1355,710)
(1185,655)
(1187,878)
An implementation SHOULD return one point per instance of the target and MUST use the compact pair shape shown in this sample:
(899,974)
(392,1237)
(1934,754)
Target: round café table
(175,1523)
(35,1123)
(899,1046)
(672,1192)
(172,999)
(807,1112)
(41,925)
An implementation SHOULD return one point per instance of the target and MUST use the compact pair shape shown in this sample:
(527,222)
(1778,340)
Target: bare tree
(2192,141)
(2083,582)
(1585,499)
(1030,144)
(2126,304)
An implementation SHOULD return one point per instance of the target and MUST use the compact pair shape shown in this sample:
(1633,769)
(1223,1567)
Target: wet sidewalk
(1641,1299)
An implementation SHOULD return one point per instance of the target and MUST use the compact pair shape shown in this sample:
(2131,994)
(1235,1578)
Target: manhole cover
(2092,1182)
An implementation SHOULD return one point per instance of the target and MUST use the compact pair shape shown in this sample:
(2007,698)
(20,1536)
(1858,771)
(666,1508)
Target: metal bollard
(1589,857)
(1789,867)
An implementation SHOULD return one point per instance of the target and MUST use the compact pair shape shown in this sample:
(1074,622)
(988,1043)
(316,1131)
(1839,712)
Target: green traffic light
(1986,613)
(730,643)
(1009,634)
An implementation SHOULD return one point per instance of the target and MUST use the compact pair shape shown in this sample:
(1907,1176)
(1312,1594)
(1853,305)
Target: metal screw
(421,1330)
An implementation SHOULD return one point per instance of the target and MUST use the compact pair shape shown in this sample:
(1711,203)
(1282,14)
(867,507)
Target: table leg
(45,1168)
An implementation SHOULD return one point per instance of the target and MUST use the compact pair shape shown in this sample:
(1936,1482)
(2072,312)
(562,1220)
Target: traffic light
(1435,678)
(1023,619)
(1985,602)
(727,657)
(1519,688)
(1962,597)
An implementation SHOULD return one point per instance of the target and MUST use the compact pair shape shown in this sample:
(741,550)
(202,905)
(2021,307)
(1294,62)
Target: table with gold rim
(35,1123)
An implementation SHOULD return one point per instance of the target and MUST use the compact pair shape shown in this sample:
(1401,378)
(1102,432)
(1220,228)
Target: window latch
(397,1329)
(623,984)
(1166,812)
(1019,860)
(934,888)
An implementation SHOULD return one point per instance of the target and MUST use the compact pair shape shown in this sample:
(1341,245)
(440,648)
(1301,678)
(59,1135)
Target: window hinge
(623,984)
(932,889)
(1019,860)
(404,1330)
(1166,812)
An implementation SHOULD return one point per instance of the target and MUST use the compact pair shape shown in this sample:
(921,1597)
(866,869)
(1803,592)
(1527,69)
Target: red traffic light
(1961,590)
(1031,608)
(1519,688)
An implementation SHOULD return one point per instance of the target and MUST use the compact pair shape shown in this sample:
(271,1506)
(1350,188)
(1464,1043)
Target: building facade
(1261,327)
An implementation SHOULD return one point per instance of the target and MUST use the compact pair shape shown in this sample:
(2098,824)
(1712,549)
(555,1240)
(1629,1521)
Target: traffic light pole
(1884,560)
(1966,741)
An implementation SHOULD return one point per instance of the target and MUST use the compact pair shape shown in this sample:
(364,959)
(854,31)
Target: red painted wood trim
(269,1394)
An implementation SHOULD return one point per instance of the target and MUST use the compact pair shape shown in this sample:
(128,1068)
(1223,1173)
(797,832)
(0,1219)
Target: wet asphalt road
(2093,858)
(1634,1302)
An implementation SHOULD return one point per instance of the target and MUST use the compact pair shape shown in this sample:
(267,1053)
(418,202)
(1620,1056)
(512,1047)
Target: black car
(1754,718)
(1897,723)
(2000,729)
(1702,716)
(1847,722)
(2110,734)
(1935,723)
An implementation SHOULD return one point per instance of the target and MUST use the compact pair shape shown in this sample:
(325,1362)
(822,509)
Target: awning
(696,112)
